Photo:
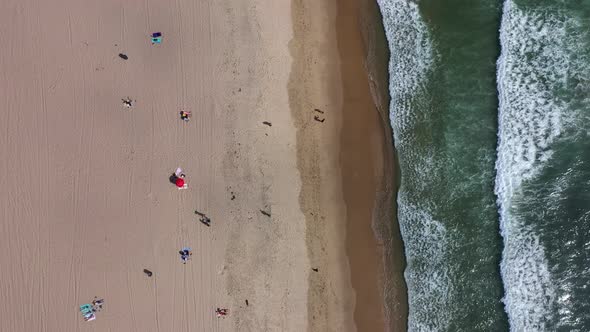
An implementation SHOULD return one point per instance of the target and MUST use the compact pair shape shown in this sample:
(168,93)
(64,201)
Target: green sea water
(490,109)
(543,164)
(444,117)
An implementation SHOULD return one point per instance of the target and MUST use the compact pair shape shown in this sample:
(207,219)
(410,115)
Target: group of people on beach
(186,253)
(89,310)
(178,178)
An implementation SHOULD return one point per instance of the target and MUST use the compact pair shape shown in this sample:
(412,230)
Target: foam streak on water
(411,59)
(410,63)
(533,116)
(444,106)
(442,98)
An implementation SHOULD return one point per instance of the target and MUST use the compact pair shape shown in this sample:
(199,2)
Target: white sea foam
(533,63)
(427,273)
(412,60)
(572,276)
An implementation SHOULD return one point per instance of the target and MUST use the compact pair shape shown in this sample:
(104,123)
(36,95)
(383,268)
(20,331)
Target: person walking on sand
(203,218)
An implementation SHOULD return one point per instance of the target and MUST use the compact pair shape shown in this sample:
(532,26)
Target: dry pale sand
(86,200)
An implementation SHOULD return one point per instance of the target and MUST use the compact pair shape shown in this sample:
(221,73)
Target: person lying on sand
(185,116)
(97,304)
(221,312)
(185,254)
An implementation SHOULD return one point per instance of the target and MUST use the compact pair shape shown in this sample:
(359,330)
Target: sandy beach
(87,202)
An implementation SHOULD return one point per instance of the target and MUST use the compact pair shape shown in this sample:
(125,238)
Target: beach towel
(178,171)
(85,308)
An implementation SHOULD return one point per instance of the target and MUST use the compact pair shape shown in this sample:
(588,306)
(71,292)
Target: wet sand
(385,226)
(362,158)
(373,240)
(330,74)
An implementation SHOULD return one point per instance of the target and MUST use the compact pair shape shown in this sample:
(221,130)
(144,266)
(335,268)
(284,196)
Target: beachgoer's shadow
(173,178)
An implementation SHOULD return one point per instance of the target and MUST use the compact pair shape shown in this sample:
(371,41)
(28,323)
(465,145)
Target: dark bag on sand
(148,272)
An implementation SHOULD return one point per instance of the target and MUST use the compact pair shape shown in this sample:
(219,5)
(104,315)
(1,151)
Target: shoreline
(363,48)
(385,224)
(362,160)
(349,213)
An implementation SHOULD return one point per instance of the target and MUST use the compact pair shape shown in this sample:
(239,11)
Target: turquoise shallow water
(489,108)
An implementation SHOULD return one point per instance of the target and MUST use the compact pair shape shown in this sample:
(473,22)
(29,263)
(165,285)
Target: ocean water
(444,118)
(489,110)
(543,164)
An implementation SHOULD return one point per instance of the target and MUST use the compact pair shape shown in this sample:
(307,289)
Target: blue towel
(86,308)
